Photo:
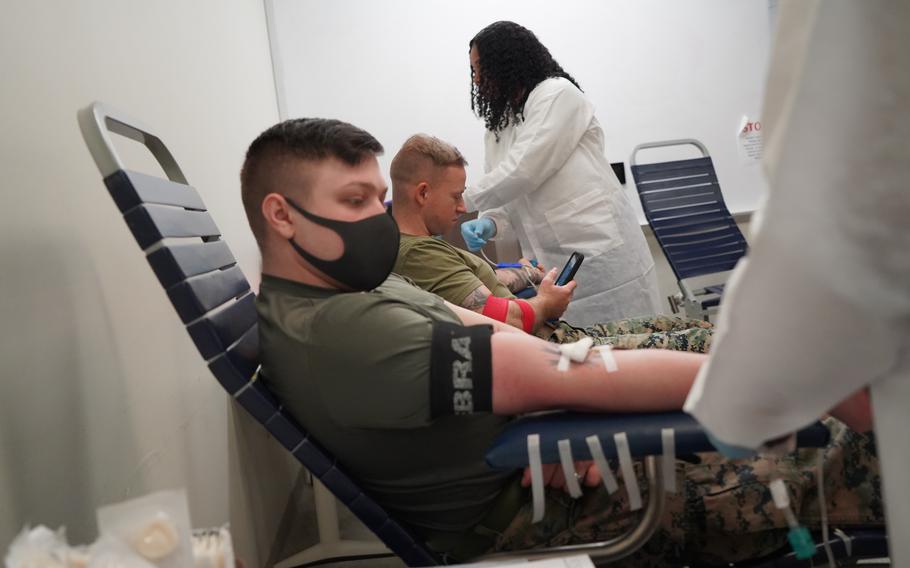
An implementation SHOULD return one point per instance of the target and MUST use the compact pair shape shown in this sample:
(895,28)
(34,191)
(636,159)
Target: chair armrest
(717,289)
(510,449)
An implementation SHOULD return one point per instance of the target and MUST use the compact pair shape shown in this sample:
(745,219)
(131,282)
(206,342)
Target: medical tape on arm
(847,540)
(577,352)
(527,272)
(536,466)
(568,468)
(628,470)
(606,353)
(603,466)
(668,460)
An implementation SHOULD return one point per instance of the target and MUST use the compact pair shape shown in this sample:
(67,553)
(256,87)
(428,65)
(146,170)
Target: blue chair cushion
(510,450)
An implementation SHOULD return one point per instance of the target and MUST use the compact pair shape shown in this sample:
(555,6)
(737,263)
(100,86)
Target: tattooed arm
(476,300)
(517,279)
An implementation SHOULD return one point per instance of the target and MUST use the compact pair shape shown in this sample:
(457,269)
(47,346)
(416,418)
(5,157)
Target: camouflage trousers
(656,332)
(722,511)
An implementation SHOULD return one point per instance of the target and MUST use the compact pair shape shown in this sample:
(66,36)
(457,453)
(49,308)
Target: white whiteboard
(655,69)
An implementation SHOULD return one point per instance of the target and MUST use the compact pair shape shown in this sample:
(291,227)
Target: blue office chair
(213,299)
(686,211)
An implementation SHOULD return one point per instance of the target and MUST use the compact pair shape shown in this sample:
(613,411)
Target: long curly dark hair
(512,62)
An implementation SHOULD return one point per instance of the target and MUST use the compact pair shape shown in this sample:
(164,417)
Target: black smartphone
(568,271)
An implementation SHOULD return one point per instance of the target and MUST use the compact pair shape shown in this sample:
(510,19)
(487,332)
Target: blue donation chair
(686,211)
(213,299)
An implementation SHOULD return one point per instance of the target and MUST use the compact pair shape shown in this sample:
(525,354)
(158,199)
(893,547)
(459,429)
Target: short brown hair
(310,139)
(418,152)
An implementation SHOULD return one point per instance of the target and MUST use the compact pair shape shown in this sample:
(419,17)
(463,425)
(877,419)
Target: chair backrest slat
(700,251)
(196,296)
(129,189)
(682,169)
(152,223)
(659,204)
(656,188)
(177,262)
(259,402)
(702,268)
(718,259)
(714,216)
(689,211)
(218,330)
(237,366)
(699,238)
(694,230)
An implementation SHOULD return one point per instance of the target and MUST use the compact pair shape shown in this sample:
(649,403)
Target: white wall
(102,395)
(655,70)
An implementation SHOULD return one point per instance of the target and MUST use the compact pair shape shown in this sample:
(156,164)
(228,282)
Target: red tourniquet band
(496,308)
(527,315)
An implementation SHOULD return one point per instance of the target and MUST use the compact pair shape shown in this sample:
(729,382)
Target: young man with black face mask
(407,390)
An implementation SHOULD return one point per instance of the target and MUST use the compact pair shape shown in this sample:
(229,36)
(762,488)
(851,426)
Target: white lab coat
(548,182)
(822,305)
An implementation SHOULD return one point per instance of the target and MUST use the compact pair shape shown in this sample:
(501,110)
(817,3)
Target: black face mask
(370,249)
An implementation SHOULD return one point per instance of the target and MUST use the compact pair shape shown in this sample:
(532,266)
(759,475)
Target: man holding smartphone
(428,179)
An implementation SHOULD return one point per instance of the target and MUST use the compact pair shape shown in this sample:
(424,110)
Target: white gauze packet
(156,527)
(111,552)
(213,548)
(38,547)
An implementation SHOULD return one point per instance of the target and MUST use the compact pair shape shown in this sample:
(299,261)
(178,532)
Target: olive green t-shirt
(445,270)
(355,369)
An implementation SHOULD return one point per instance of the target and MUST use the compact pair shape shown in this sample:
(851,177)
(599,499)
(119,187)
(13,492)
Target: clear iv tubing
(822,507)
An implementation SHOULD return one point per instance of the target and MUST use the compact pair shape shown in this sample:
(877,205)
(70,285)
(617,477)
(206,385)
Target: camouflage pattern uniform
(657,332)
(722,511)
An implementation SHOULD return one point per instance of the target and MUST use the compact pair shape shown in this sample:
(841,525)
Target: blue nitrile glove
(477,232)
(730,451)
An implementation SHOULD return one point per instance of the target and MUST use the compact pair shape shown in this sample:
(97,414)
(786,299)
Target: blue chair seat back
(685,208)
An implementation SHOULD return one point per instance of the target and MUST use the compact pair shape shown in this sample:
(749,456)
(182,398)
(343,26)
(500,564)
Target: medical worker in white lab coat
(821,306)
(547,180)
